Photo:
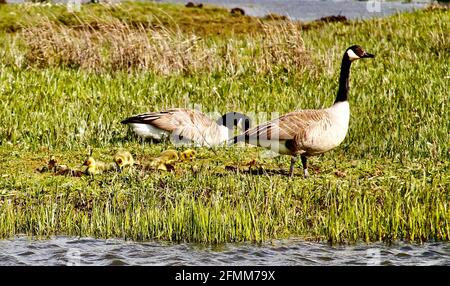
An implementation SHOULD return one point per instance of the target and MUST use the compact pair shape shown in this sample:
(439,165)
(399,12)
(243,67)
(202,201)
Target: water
(308,10)
(88,251)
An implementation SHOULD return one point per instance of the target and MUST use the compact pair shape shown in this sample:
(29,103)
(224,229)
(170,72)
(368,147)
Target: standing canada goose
(307,133)
(187,126)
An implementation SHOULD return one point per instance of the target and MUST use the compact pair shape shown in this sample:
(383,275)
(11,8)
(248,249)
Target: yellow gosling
(168,157)
(97,167)
(187,155)
(92,167)
(164,167)
(157,164)
(123,159)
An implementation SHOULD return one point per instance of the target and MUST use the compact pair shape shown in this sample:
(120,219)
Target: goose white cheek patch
(352,56)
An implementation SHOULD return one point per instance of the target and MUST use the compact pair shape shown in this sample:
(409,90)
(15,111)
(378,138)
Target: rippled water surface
(89,251)
(307,10)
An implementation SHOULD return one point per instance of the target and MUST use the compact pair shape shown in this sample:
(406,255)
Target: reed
(118,45)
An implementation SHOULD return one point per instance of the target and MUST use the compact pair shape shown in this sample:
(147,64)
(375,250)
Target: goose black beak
(367,55)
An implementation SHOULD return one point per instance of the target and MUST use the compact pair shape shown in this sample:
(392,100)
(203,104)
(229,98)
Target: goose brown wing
(185,123)
(195,126)
(285,127)
(167,120)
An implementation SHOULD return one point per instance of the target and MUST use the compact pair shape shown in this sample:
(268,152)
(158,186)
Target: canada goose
(95,167)
(307,133)
(123,159)
(187,126)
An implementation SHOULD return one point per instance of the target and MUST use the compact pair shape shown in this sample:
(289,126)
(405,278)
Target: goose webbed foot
(305,173)
(304,163)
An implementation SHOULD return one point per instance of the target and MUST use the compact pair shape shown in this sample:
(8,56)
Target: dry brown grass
(121,46)
(283,46)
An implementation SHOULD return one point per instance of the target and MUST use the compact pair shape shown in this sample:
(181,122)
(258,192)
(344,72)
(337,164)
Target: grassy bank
(207,21)
(389,180)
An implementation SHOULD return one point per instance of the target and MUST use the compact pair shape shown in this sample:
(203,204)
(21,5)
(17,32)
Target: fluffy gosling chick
(187,155)
(93,167)
(164,167)
(97,167)
(165,160)
(168,157)
(123,159)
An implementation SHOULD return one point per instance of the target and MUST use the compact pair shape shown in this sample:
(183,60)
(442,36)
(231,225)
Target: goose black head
(356,52)
(235,119)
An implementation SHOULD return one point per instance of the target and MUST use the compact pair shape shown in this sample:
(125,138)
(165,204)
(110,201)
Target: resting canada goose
(187,126)
(307,133)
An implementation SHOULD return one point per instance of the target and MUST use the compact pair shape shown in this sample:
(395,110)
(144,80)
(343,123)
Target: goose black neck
(342,94)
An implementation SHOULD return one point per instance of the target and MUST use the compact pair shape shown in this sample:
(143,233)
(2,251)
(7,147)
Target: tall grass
(119,45)
(389,180)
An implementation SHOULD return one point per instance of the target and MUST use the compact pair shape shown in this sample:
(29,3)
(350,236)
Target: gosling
(187,155)
(123,159)
(97,167)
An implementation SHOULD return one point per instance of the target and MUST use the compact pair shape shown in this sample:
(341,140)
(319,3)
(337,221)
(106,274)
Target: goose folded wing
(168,120)
(199,129)
(286,127)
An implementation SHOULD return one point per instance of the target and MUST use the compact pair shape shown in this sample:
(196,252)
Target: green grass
(389,180)
(376,200)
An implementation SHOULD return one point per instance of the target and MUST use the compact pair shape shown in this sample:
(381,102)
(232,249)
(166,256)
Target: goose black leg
(291,169)
(305,166)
